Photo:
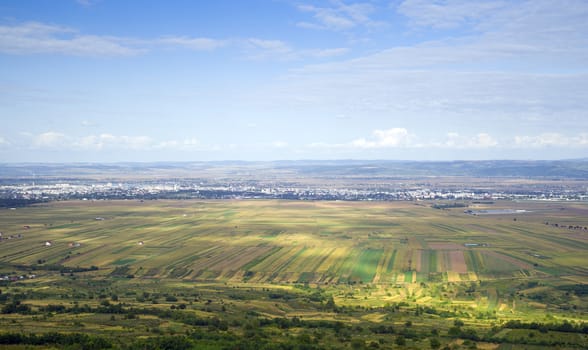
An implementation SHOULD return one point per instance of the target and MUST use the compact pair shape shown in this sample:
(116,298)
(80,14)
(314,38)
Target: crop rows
(287,242)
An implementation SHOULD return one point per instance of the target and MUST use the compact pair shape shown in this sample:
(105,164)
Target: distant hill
(493,168)
(568,169)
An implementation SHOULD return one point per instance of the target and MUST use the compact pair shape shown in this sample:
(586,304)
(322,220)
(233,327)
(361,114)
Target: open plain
(122,269)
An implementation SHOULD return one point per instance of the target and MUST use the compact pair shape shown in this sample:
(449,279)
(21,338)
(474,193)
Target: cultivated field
(370,257)
(298,241)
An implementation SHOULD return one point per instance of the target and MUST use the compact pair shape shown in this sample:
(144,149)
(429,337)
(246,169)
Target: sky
(121,80)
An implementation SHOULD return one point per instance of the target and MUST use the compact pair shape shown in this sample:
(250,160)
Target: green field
(285,259)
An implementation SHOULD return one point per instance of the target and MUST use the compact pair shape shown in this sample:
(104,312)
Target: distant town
(24,193)
(312,180)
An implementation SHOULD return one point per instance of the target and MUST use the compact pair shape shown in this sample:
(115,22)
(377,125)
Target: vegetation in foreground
(288,274)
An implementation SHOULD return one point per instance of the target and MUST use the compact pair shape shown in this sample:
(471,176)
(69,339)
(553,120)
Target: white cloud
(395,137)
(35,38)
(484,140)
(57,141)
(308,25)
(39,38)
(339,17)
(321,53)
(523,68)
(270,45)
(92,142)
(402,138)
(279,144)
(261,48)
(582,140)
(137,143)
(278,49)
(538,28)
(87,3)
(454,140)
(481,140)
(447,13)
(199,44)
(109,141)
(551,139)
(49,139)
(189,144)
(3,141)
(388,138)
(518,38)
(326,18)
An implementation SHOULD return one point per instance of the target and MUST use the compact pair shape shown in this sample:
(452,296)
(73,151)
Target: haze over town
(111,81)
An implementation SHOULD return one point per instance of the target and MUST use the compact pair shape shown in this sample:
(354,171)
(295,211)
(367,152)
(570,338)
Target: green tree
(331,303)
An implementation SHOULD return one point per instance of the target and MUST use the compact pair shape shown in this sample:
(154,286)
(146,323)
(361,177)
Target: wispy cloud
(278,49)
(321,53)
(338,17)
(533,28)
(87,3)
(455,140)
(380,142)
(552,140)
(40,38)
(447,13)
(57,141)
(199,44)
(35,38)
(109,141)
(189,144)
(262,48)
(523,66)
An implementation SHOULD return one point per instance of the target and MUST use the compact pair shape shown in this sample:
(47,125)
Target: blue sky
(119,80)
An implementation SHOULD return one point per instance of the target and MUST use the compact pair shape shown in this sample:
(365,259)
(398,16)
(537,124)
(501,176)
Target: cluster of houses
(17,278)
(71,244)
(5,238)
(569,227)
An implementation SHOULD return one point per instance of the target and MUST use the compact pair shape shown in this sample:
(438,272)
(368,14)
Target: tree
(357,343)
(331,303)
(435,343)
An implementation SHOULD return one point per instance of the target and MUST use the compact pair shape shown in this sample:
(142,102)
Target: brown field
(457,262)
